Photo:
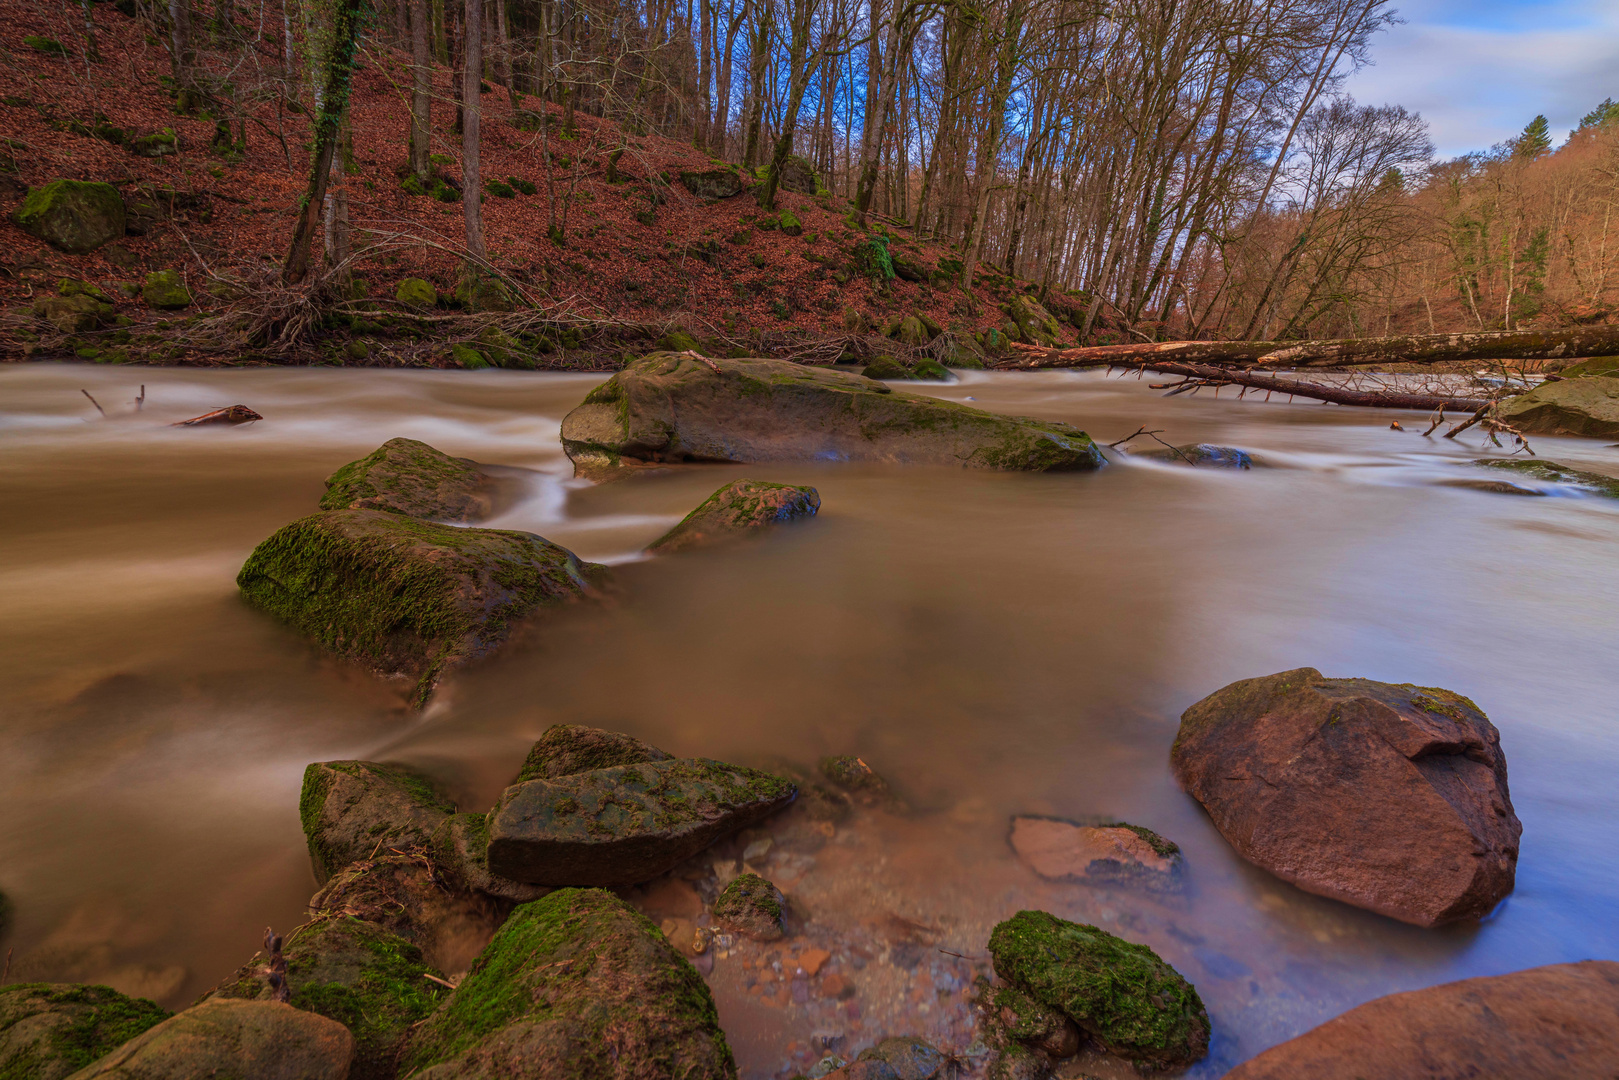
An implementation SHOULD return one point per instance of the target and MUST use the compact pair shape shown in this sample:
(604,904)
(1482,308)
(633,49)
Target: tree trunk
(334,101)
(472,113)
(1338,395)
(421,98)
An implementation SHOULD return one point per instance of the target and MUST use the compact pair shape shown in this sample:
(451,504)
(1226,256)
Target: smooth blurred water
(994,643)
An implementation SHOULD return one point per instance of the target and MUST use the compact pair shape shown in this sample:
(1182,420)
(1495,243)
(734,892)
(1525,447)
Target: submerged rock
(1553,473)
(673,407)
(461,852)
(1391,797)
(407,597)
(265,1040)
(369,980)
(354,810)
(737,509)
(1105,853)
(409,477)
(51,1030)
(1019,1062)
(1120,993)
(753,906)
(72,215)
(1588,406)
(627,824)
(577,986)
(1561,1020)
(911,1057)
(1220,457)
(424,902)
(853,775)
(566,749)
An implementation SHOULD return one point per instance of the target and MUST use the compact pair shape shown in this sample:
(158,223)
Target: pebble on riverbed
(753,906)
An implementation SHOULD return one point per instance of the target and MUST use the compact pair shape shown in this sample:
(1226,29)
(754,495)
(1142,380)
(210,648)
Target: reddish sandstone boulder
(1559,1021)
(1391,797)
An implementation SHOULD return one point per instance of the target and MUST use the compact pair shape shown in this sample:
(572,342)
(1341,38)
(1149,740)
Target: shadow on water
(995,644)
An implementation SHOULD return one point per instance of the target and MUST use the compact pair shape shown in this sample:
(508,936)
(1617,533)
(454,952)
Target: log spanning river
(993,643)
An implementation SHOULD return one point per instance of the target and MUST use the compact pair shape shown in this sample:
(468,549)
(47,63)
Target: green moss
(588,974)
(1122,993)
(1554,473)
(165,290)
(1163,847)
(566,749)
(407,477)
(88,1022)
(416,293)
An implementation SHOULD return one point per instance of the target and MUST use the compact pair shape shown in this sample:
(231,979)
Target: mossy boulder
(752,906)
(740,508)
(886,369)
(369,980)
(1553,473)
(910,1056)
(155,144)
(909,269)
(166,291)
(668,407)
(403,596)
(1014,1017)
(853,775)
(265,1040)
(1596,365)
(722,183)
(1120,993)
(461,854)
(1218,457)
(577,985)
(798,176)
(1588,406)
(567,749)
(403,476)
(479,291)
(931,369)
(72,215)
(467,357)
(51,1030)
(789,223)
(626,824)
(417,293)
(74,314)
(1033,322)
(355,810)
(1016,1061)
(909,331)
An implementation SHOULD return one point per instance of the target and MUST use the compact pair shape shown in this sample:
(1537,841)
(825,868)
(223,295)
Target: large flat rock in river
(1587,406)
(626,824)
(1559,1022)
(684,407)
(1388,796)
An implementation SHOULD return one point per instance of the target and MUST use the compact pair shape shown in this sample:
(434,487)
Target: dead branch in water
(1200,375)
(94,402)
(1563,344)
(231,414)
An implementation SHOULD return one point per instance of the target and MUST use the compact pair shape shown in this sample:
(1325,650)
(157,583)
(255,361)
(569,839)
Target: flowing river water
(993,643)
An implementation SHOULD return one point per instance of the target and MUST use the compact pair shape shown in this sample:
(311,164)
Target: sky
(1479,70)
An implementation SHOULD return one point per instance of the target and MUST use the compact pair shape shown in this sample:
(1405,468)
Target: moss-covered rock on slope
(1588,406)
(753,906)
(720,183)
(627,824)
(405,476)
(577,986)
(407,597)
(1034,323)
(417,293)
(1554,473)
(461,855)
(566,749)
(357,973)
(166,290)
(72,215)
(670,407)
(51,1030)
(353,810)
(1121,993)
(739,508)
(228,1038)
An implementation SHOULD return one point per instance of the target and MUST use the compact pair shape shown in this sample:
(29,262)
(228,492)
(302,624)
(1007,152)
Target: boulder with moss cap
(566,749)
(72,215)
(405,597)
(51,1030)
(415,292)
(371,981)
(1014,1018)
(627,824)
(1554,473)
(265,1040)
(461,853)
(1391,797)
(752,906)
(740,508)
(353,810)
(1120,993)
(577,985)
(1033,322)
(670,407)
(166,290)
(1588,406)
(404,476)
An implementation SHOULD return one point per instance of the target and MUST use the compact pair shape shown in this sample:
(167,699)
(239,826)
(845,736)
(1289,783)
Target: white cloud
(1479,74)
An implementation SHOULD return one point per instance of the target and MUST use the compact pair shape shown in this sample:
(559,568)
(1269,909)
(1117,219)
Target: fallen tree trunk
(1338,395)
(1411,349)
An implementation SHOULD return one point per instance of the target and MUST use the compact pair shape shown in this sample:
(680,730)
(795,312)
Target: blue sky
(1479,71)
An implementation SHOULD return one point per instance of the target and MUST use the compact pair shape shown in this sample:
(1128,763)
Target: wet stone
(910,1057)
(50,1030)
(752,906)
(1104,853)
(354,810)
(568,749)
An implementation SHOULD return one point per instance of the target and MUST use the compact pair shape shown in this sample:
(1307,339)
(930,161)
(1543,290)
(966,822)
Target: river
(993,643)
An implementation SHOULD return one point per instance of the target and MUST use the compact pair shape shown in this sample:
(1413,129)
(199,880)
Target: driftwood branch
(1338,395)
(1409,349)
